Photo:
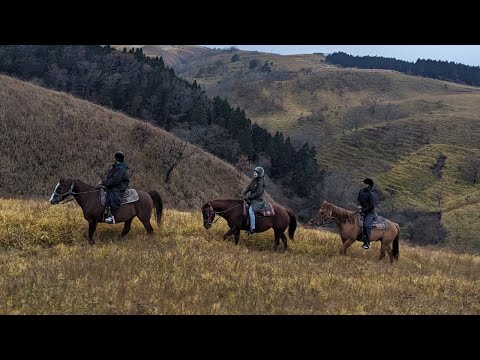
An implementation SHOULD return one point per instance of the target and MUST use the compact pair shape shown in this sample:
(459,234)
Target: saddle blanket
(265,211)
(129,196)
(379,222)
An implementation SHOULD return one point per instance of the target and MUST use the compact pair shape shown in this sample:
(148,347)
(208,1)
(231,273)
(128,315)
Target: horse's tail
(396,252)
(292,226)
(157,202)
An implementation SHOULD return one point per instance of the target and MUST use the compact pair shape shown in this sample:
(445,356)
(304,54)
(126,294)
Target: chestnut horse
(88,197)
(232,211)
(349,226)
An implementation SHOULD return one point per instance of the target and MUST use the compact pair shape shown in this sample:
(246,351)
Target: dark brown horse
(232,211)
(88,197)
(349,226)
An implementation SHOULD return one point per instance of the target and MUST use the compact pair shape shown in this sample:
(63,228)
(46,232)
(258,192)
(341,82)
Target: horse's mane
(343,214)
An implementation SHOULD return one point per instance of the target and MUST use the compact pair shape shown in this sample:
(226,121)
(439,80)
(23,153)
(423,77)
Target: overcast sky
(465,54)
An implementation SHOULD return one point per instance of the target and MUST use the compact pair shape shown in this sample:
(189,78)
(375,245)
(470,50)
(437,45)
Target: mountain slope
(173,55)
(364,123)
(47,134)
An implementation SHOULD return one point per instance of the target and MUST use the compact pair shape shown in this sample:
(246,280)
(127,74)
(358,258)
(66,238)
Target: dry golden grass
(185,269)
(45,135)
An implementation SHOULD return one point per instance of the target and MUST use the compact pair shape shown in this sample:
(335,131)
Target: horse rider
(116,182)
(256,189)
(366,202)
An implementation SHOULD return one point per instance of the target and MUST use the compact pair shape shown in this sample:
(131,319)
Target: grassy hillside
(46,135)
(309,100)
(173,55)
(300,84)
(185,269)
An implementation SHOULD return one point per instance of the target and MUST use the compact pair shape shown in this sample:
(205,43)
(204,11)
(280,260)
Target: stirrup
(110,220)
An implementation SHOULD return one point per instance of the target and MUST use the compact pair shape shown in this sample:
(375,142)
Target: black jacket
(367,200)
(117,179)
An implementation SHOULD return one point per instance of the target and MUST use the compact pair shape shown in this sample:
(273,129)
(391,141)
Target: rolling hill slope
(413,122)
(46,135)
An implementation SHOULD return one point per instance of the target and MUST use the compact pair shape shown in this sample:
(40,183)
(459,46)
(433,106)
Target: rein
(71,192)
(217,213)
(76,193)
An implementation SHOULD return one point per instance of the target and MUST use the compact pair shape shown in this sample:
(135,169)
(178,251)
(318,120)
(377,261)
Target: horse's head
(208,215)
(63,189)
(324,213)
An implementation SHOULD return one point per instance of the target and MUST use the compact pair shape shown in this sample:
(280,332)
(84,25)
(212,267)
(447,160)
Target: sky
(465,54)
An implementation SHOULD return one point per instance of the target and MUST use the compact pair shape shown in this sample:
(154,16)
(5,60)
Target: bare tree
(470,169)
(172,154)
(370,105)
(354,118)
(388,112)
(394,136)
(337,186)
(242,165)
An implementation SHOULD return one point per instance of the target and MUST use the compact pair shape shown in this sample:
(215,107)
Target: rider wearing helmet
(256,189)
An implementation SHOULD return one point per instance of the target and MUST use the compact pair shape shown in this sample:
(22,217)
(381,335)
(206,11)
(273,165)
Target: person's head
(258,171)
(368,183)
(119,157)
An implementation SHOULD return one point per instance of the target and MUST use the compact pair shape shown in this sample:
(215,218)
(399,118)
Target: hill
(48,134)
(173,55)
(364,123)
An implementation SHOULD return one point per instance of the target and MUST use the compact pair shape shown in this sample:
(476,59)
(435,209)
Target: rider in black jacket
(116,183)
(366,205)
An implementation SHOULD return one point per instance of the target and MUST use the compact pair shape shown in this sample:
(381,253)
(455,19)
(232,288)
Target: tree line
(435,69)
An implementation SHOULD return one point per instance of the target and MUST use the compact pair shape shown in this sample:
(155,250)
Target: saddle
(379,222)
(129,196)
(265,211)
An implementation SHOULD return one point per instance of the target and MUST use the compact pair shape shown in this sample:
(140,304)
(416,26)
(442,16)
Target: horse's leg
(146,223)
(382,250)
(230,233)
(277,240)
(237,236)
(284,240)
(126,227)
(346,245)
(389,251)
(92,226)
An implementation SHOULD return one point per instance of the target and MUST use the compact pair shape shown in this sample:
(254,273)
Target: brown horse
(232,211)
(88,198)
(349,226)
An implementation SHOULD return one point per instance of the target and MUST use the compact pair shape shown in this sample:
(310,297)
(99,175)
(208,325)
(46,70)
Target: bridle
(329,215)
(212,213)
(65,195)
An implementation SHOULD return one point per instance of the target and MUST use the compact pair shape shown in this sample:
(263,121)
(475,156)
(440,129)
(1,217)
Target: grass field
(46,267)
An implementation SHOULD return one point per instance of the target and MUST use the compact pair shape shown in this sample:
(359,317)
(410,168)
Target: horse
(232,211)
(88,197)
(350,229)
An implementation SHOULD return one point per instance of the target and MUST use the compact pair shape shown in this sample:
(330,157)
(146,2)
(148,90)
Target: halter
(212,212)
(329,215)
(63,196)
